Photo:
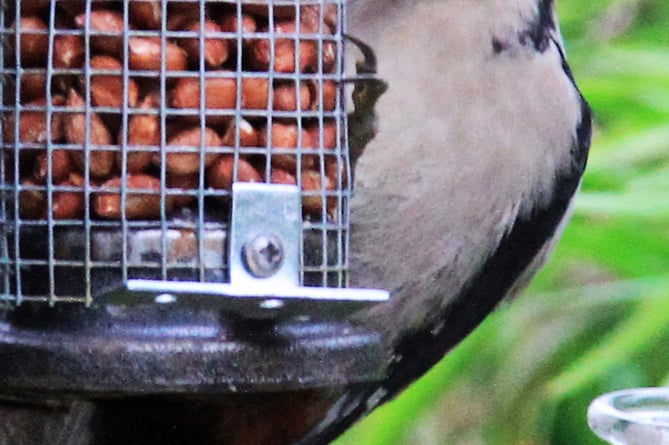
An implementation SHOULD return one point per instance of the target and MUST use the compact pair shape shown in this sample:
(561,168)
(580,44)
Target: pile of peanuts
(125,112)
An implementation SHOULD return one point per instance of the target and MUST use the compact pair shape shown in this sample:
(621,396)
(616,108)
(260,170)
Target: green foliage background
(597,318)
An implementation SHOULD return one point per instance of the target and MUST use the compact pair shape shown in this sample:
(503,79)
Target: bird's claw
(368,64)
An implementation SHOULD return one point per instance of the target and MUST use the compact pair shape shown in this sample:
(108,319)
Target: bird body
(483,141)
(481,138)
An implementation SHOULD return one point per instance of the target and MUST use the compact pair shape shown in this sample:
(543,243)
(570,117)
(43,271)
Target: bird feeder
(174,221)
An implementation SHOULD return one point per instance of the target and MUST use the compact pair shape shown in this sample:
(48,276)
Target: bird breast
(470,137)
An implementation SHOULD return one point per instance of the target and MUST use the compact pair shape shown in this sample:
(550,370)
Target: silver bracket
(264,256)
(265,236)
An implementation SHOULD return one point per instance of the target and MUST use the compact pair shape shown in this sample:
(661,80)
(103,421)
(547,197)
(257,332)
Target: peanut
(143,131)
(286,136)
(222,173)
(329,134)
(60,166)
(106,27)
(68,204)
(33,128)
(283,136)
(188,162)
(248,136)
(280,176)
(33,41)
(68,51)
(142,198)
(229,23)
(34,7)
(329,56)
(220,93)
(215,49)
(284,51)
(146,55)
(310,17)
(100,162)
(264,11)
(107,89)
(186,6)
(73,8)
(329,95)
(314,186)
(286,97)
(146,14)
(255,93)
(136,161)
(331,17)
(33,86)
(181,15)
(336,169)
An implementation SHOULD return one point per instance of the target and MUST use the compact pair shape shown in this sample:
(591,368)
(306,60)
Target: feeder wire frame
(50,260)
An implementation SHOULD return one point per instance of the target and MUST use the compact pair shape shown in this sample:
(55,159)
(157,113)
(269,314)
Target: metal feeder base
(159,350)
(154,370)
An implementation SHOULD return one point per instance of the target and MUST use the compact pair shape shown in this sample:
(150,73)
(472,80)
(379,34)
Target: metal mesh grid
(117,164)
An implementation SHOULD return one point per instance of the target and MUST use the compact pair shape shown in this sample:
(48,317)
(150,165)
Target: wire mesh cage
(178,151)
(126,124)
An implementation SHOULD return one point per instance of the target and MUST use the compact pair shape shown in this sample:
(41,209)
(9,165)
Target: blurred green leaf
(648,322)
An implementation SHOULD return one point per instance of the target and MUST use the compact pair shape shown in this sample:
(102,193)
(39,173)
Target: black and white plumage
(457,203)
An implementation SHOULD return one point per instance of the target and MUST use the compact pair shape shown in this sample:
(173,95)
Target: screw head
(263,255)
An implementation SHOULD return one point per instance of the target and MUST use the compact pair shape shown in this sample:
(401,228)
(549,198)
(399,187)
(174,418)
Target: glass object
(632,417)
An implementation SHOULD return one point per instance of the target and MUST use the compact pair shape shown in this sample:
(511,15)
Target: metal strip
(264,256)
(278,303)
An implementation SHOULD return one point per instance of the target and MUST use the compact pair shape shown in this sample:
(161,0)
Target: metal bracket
(264,256)
(265,236)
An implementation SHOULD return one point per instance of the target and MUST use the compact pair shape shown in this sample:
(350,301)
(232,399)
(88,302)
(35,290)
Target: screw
(166,299)
(272,303)
(263,255)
